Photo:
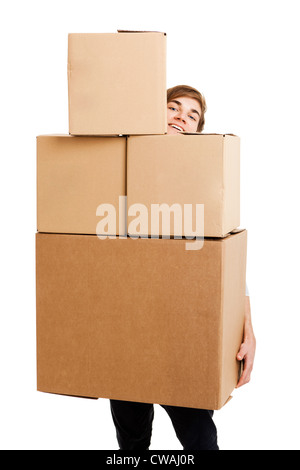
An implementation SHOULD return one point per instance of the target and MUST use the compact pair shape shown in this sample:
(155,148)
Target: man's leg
(133,422)
(194,428)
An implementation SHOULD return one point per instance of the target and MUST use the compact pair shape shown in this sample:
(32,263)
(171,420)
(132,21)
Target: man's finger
(246,375)
(242,352)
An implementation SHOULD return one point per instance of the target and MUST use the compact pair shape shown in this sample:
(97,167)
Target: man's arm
(248,347)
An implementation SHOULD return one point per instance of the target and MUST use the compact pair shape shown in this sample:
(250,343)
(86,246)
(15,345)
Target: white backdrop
(244,57)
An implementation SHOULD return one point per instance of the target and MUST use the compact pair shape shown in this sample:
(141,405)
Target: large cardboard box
(117,83)
(75,175)
(140,320)
(179,170)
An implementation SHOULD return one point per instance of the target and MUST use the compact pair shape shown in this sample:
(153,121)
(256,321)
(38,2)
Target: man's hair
(185,90)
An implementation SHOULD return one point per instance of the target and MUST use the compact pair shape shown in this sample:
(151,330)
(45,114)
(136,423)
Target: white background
(244,57)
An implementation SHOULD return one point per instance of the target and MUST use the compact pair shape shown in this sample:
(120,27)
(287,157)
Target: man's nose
(181,116)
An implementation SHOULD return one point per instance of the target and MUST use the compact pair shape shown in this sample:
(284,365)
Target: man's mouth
(178,128)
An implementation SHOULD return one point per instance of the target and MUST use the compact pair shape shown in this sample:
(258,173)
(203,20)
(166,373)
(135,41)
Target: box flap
(229,234)
(209,133)
(233,232)
(129,31)
(228,400)
(237,230)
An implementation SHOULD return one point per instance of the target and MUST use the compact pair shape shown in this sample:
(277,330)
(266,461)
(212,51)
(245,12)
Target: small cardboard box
(75,175)
(140,320)
(117,83)
(185,170)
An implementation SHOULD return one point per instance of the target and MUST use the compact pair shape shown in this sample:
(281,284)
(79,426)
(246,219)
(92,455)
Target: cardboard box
(117,83)
(185,169)
(140,320)
(74,176)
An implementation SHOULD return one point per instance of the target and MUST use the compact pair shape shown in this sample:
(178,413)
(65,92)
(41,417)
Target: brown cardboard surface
(140,320)
(117,83)
(186,169)
(74,176)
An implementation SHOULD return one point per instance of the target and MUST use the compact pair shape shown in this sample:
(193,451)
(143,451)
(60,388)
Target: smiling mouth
(177,127)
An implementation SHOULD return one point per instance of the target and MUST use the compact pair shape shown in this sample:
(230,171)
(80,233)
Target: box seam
(69,83)
(36,311)
(89,316)
(37,187)
(221,330)
(223,183)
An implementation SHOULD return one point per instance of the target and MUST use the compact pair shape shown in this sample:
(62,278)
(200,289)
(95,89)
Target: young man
(194,428)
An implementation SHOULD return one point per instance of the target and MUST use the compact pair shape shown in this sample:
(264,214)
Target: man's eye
(172,109)
(192,117)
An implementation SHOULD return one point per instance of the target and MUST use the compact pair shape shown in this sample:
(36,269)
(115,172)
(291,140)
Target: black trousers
(194,428)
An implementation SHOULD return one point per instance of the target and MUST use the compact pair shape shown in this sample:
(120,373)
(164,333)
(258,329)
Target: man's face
(183,115)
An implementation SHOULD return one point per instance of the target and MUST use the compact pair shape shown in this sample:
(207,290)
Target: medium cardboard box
(140,320)
(184,170)
(75,175)
(117,83)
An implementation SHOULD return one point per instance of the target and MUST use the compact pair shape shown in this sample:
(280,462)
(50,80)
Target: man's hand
(248,347)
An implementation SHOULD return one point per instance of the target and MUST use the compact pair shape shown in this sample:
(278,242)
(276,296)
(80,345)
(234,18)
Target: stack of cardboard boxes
(129,314)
